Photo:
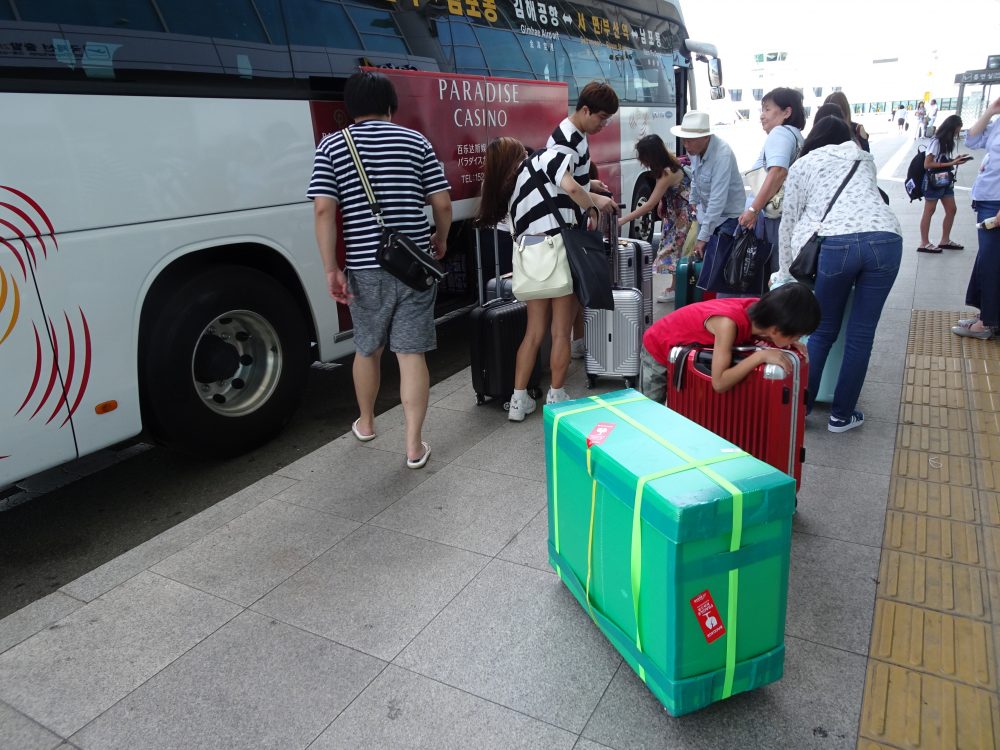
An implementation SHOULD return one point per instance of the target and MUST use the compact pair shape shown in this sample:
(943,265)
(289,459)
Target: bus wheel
(642,228)
(222,362)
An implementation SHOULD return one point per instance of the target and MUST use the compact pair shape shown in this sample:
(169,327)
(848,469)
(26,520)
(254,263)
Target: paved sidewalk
(348,602)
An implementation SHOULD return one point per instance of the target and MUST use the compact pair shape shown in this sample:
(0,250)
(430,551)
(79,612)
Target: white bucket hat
(694,125)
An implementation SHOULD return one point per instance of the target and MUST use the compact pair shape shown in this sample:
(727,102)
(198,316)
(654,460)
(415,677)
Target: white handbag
(541,268)
(754,180)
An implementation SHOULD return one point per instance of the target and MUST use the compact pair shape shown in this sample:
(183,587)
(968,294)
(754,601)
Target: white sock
(556,392)
(520,395)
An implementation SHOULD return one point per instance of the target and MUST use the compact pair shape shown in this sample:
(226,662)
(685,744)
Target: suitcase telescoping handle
(480,276)
(703,362)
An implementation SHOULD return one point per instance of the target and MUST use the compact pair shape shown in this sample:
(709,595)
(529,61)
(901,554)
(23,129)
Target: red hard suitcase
(764,415)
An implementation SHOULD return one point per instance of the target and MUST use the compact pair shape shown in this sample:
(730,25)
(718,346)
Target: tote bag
(540,269)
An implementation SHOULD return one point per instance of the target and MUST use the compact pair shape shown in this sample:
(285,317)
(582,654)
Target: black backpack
(915,176)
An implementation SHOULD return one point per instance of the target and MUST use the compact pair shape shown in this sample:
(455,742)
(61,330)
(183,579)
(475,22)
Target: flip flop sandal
(358,435)
(419,463)
(928,249)
(951,246)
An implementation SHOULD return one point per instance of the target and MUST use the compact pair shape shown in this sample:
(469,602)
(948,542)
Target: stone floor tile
(531,546)
(885,370)
(256,683)
(374,591)
(403,709)
(514,448)
(585,744)
(517,637)
(815,705)
(18,732)
(879,400)
(450,433)
(251,555)
(77,668)
(831,592)
(104,578)
(868,449)
(840,505)
(359,484)
(459,506)
(36,616)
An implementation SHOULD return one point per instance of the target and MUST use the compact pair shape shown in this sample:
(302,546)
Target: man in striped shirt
(405,174)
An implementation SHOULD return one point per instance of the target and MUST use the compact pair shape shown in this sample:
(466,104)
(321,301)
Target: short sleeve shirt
(687,326)
(403,170)
(780,148)
(567,150)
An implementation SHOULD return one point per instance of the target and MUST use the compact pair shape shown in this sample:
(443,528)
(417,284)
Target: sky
(834,43)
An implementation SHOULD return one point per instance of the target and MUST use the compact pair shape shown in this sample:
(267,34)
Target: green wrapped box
(675,541)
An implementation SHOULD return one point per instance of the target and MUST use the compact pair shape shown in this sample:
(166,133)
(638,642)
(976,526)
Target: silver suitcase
(614,338)
(633,269)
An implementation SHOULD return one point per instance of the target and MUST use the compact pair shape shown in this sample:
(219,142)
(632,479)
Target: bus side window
(224,19)
(112,14)
(314,23)
(378,30)
(6,12)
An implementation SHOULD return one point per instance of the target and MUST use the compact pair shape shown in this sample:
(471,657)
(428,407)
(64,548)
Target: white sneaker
(667,296)
(556,396)
(578,349)
(520,407)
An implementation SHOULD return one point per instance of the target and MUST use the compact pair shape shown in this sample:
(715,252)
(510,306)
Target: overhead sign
(978,76)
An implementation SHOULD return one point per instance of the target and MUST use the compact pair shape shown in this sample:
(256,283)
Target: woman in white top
(862,247)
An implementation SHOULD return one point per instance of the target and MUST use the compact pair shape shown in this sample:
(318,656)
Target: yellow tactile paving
(908,709)
(961,590)
(929,499)
(933,537)
(940,417)
(934,440)
(933,467)
(956,648)
(934,658)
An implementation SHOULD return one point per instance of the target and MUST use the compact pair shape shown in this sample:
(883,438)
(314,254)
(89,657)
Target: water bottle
(990,223)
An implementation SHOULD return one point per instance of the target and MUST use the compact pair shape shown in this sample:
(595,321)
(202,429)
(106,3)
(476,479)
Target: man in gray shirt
(716,183)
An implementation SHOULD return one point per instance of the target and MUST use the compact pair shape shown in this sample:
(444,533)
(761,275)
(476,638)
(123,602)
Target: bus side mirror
(717,92)
(715,74)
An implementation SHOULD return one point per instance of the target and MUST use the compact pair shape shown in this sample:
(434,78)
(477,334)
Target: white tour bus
(158,268)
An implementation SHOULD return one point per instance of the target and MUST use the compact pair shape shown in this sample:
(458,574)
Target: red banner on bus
(461,114)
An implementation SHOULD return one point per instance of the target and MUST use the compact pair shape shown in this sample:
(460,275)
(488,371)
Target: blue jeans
(984,284)
(868,261)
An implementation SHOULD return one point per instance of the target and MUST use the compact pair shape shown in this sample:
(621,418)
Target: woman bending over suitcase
(508,189)
(781,316)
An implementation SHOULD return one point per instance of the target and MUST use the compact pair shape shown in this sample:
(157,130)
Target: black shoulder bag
(585,251)
(806,263)
(397,253)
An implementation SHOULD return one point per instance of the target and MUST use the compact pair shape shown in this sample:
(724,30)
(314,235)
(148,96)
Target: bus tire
(223,361)
(642,227)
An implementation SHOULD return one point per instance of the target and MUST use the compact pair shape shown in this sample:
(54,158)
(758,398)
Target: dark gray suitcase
(614,338)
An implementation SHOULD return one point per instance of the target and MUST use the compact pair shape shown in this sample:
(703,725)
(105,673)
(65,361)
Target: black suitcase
(498,327)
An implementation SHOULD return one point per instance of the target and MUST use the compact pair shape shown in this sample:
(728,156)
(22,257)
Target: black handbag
(586,253)
(746,261)
(806,263)
(397,253)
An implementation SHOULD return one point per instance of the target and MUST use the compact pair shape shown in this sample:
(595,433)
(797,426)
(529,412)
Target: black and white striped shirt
(403,170)
(566,150)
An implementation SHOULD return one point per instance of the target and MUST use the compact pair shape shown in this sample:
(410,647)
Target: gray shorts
(386,312)
(652,378)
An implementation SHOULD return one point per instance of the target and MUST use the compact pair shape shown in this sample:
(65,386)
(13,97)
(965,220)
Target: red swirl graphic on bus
(76,342)
(24,217)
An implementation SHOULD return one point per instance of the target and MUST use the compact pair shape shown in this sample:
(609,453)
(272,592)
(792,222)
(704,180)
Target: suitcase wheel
(591,381)
(630,382)
(480,399)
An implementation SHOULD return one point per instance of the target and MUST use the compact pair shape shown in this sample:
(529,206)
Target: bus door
(44,350)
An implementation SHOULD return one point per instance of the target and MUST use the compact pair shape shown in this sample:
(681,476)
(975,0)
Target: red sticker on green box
(600,433)
(708,616)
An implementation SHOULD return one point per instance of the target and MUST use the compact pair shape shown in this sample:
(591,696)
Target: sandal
(951,246)
(357,433)
(419,463)
(928,249)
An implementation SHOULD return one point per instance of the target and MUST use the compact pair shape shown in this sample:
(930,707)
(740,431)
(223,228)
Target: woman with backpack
(670,197)
(939,184)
